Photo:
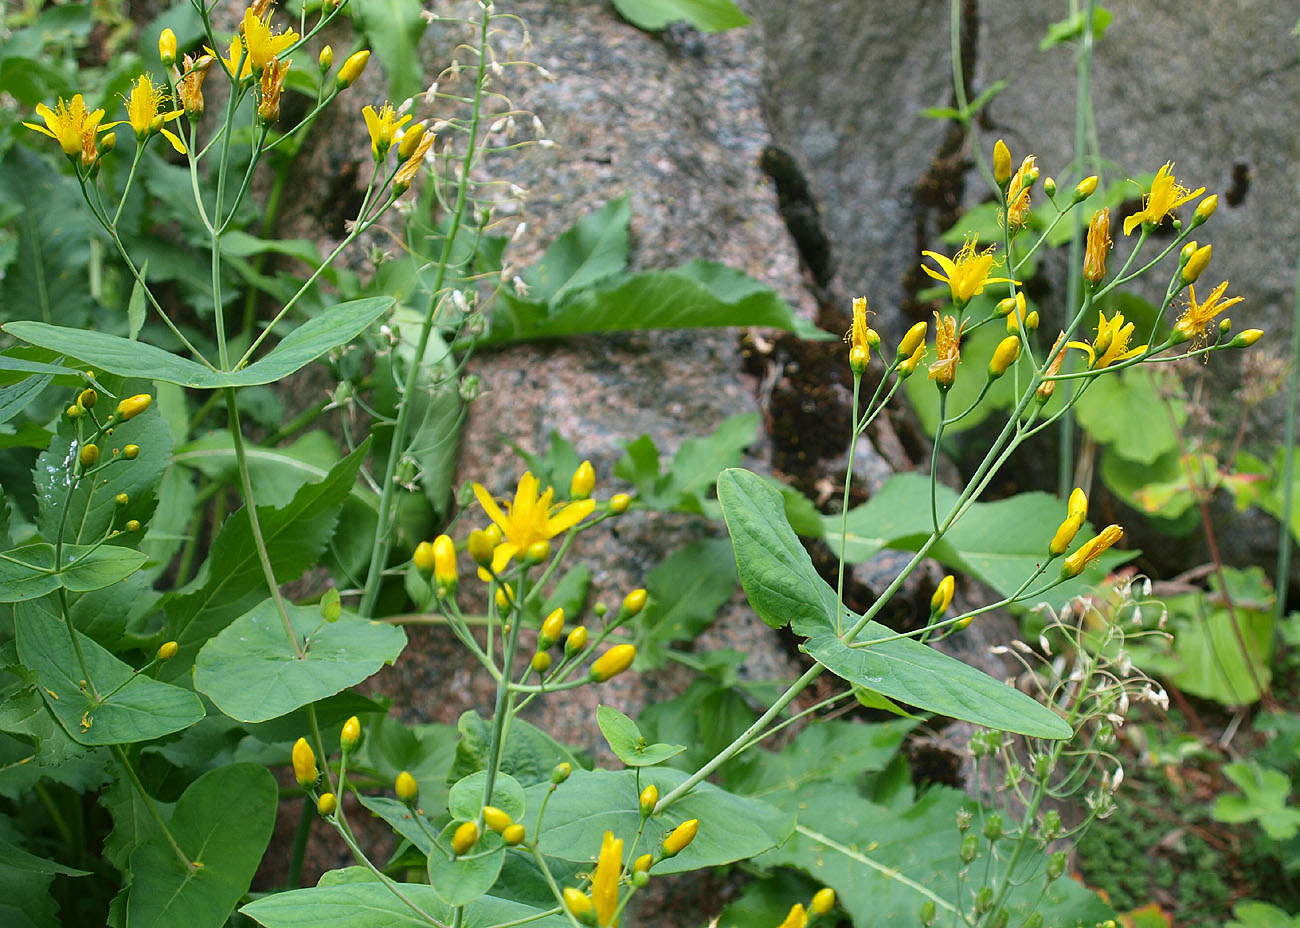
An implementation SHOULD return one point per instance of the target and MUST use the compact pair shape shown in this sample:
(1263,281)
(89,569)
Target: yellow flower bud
(1247,338)
(1004,356)
(1057,354)
(619,502)
(505,597)
(167,48)
(579,904)
(1205,209)
(538,551)
(643,863)
(121,499)
(326,59)
(132,406)
(858,359)
(444,563)
(1065,535)
(680,837)
(350,737)
(914,338)
(634,602)
(1196,264)
(823,901)
(304,763)
(541,662)
(1001,163)
(576,641)
(167,650)
(327,804)
(480,546)
(908,367)
(423,557)
(89,455)
(1091,550)
(560,772)
(1078,503)
(464,838)
(583,482)
(552,629)
(796,918)
(1099,244)
(613,662)
(1188,250)
(496,819)
(88,398)
(942,597)
(1005,307)
(649,799)
(131,452)
(1086,188)
(407,789)
(133,525)
(352,69)
(411,138)
(1049,187)
(514,834)
(74,411)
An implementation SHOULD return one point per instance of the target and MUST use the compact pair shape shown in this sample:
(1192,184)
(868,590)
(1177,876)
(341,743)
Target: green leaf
(465,800)
(460,880)
(223,823)
(699,294)
(1128,412)
(1261,915)
(704,15)
(16,397)
(231,581)
(393,29)
(529,754)
(588,252)
(782,585)
(35,746)
(336,326)
(132,706)
(839,752)
(373,905)
(1264,800)
(402,819)
(133,821)
(990,541)
(627,742)
(592,802)
(28,572)
(1066,30)
(251,673)
(686,591)
(135,307)
(883,863)
(24,883)
(92,508)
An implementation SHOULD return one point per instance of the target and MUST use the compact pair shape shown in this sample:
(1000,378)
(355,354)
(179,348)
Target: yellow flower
(70,124)
(796,919)
(531,517)
(1111,343)
(145,112)
(1091,550)
(1166,196)
(968,273)
(1197,315)
(604,882)
(861,337)
(272,84)
(382,126)
(233,60)
(189,85)
(262,45)
(1094,256)
(1018,195)
(947,345)
(406,173)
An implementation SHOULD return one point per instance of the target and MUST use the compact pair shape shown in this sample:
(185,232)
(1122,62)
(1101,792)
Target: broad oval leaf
(465,800)
(782,584)
(627,742)
(461,880)
(139,708)
(251,673)
(223,823)
(336,326)
(374,905)
(28,572)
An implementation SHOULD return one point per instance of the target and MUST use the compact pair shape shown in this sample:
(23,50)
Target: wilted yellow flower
(189,84)
(857,337)
(1111,343)
(1091,550)
(406,173)
(968,273)
(1197,315)
(263,46)
(1057,354)
(1166,196)
(604,882)
(382,126)
(947,345)
(531,517)
(1094,256)
(273,75)
(70,124)
(1018,195)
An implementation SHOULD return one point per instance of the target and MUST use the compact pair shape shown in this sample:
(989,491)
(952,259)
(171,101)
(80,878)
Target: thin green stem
(188,864)
(844,501)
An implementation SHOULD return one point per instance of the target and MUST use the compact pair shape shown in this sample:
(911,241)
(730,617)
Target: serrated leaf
(223,823)
(251,673)
(336,326)
(131,706)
